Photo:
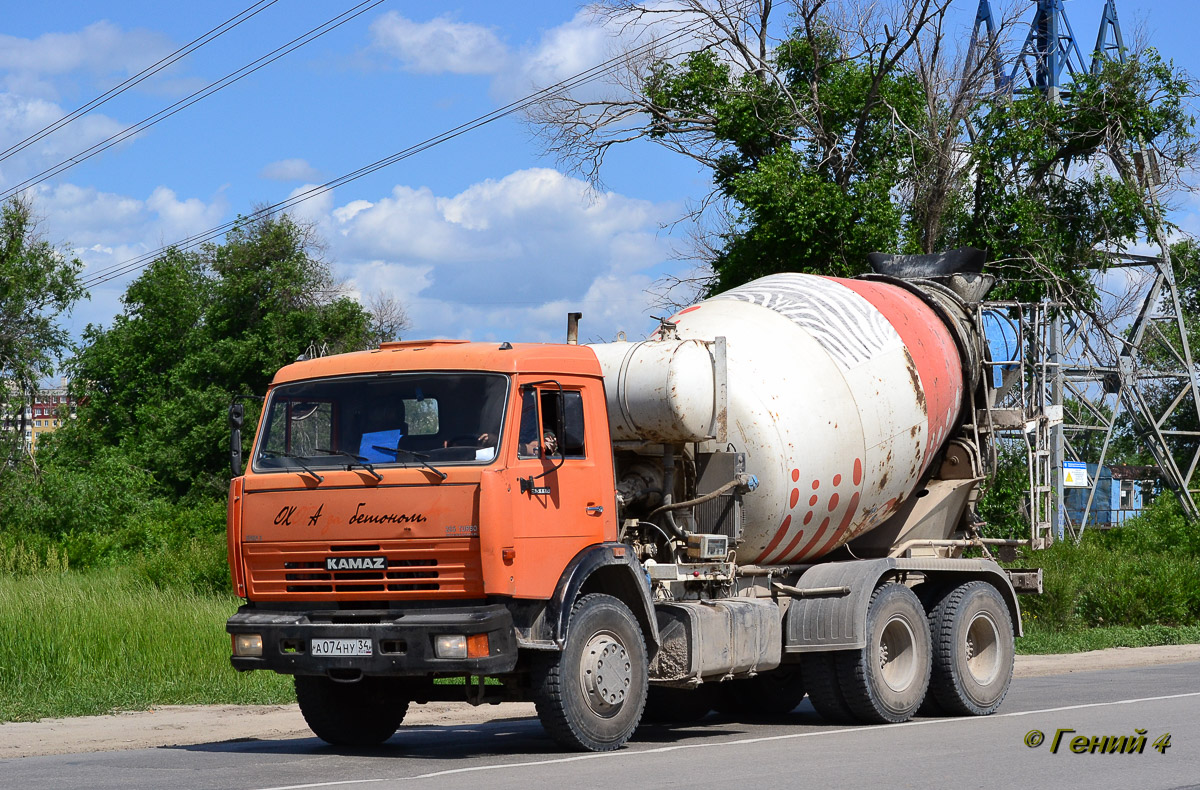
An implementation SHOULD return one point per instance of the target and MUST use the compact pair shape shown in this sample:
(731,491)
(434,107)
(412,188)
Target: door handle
(594,510)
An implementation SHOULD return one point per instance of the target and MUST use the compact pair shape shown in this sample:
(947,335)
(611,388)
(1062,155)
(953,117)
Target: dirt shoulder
(180,725)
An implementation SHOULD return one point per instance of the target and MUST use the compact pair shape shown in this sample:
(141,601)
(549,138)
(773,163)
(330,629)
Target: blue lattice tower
(986,45)
(1050,49)
(1112,48)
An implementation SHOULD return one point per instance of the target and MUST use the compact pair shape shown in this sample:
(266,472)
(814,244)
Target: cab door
(556,488)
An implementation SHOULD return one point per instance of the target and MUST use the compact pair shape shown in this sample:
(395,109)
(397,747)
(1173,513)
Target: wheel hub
(897,654)
(605,673)
(983,653)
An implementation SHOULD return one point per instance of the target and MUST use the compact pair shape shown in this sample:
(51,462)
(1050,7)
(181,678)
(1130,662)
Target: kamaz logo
(356,563)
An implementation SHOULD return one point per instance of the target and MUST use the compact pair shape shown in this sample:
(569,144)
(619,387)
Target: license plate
(340,647)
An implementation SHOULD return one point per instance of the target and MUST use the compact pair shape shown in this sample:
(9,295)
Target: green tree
(811,199)
(1054,184)
(197,330)
(845,130)
(38,285)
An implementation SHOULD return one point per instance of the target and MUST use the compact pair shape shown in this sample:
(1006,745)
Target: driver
(549,444)
(487,447)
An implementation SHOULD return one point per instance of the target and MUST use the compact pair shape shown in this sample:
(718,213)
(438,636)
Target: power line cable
(149,71)
(114,271)
(191,99)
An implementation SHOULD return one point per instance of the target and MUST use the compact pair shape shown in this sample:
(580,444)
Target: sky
(484,237)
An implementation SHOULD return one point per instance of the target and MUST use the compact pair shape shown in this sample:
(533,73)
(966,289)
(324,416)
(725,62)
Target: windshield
(398,419)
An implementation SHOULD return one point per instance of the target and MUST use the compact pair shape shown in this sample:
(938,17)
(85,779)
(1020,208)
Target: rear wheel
(363,713)
(590,696)
(973,650)
(771,693)
(667,705)
(825,688)
(886,681)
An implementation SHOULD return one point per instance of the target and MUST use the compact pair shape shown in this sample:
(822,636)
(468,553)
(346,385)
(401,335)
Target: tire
(973,650)
(364,713)
(590,697)
(668,705)
(775,692)
(825,688)
(886,681)
(930,593)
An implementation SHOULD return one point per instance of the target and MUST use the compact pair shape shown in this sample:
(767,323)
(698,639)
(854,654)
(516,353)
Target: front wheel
(590,696)
(364,713)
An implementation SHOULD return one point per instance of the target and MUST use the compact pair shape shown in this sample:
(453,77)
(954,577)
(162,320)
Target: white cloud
(178,219)
(33,72)
(507,258)
(104,230)
(562,52)
(290,170)
(504,259)
(443,45)
(101,49)
(439,45)
(22,116)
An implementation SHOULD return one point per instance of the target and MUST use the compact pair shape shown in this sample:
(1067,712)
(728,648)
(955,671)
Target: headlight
(450,646)
(247,644)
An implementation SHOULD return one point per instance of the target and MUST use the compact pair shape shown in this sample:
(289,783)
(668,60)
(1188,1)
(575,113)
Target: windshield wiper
(355,460)
(300,463)
(419,456)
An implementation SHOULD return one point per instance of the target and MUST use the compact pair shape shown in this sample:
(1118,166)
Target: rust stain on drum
(918,390)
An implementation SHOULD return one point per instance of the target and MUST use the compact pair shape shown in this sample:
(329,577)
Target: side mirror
(237,418)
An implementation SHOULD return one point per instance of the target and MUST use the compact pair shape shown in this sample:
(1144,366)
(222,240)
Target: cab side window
(528,445)
(545,413)
(572,439)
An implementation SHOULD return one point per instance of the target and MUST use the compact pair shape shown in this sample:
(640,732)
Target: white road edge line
(710,744)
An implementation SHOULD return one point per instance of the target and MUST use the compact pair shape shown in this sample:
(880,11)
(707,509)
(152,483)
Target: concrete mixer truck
(768,498)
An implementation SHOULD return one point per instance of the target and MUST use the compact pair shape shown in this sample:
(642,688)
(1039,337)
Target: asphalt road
(796,750)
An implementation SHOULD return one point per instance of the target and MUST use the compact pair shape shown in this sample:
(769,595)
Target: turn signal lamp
(477,646)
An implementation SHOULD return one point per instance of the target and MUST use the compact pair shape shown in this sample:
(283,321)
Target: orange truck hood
(421,536)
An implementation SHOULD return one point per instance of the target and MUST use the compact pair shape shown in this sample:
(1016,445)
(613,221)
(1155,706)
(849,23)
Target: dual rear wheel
(956,657)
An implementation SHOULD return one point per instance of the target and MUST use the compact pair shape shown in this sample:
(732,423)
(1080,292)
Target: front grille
(425,569)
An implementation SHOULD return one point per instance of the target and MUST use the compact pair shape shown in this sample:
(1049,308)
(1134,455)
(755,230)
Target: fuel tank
(840,392)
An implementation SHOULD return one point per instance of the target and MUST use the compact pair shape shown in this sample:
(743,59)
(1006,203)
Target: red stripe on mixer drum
(820,531)
(931,346)
(847,520)
(775,541)
(788,551)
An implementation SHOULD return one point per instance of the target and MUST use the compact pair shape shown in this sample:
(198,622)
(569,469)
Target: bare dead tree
(388,317)
(954,83)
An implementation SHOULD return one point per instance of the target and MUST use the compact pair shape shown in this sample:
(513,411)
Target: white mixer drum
(841,392)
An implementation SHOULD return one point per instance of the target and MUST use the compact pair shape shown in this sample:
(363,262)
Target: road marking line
(738,742)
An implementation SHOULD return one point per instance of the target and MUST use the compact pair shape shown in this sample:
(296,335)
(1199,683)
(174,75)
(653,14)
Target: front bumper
(402,640)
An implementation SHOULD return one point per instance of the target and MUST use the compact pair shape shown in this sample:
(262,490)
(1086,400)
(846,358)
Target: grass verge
(1043,641)
(76,644)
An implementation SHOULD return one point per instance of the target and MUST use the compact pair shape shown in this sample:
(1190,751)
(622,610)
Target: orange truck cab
(425,510)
